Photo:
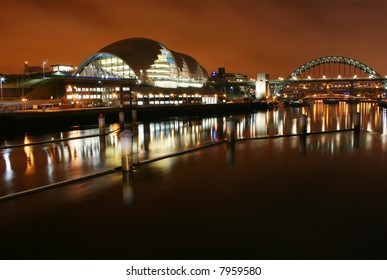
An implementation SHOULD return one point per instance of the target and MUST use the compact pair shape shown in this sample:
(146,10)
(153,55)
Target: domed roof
(191,62)
(150,62)
(139,53)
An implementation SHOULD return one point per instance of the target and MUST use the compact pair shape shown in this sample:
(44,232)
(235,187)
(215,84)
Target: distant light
(62,68)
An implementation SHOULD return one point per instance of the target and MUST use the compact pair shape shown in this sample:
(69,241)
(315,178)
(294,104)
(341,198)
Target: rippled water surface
(24,163)
(322,196)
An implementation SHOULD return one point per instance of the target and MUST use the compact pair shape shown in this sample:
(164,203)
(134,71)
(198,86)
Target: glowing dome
(147,61)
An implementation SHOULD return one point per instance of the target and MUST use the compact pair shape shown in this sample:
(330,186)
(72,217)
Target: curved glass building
(146,61)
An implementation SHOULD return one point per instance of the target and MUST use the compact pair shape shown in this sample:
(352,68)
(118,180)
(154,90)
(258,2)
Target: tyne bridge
(331,76)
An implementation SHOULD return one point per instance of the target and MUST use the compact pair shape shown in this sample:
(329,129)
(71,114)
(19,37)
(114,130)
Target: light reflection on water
(36,165)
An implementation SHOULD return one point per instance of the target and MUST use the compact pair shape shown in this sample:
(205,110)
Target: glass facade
(144,60)
(105,66)
(184,75)
(163,72)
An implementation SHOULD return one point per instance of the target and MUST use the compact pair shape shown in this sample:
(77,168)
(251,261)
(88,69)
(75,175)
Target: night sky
(247,36)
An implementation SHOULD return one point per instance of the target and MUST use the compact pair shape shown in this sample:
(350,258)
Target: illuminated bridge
(331,75)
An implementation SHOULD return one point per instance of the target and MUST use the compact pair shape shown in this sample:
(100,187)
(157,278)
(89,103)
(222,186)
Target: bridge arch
(336,62)
(330,67)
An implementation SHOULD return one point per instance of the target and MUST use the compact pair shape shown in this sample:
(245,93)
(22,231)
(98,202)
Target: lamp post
(1,87)
(44,65)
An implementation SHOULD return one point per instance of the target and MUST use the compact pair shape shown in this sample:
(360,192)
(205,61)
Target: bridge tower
(262,86)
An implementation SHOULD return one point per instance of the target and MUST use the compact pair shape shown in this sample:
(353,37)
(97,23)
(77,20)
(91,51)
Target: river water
(271,195)
(37,159)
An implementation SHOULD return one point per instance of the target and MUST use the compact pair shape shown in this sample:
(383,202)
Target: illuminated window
(163,73)
(107,66)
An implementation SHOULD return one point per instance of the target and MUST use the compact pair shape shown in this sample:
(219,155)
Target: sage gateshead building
(155,73)
(145,60)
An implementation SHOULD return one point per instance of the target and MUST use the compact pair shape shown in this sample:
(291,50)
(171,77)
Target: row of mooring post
(121,118)
(302,126)
(126,137)
(303,123)
(302,130)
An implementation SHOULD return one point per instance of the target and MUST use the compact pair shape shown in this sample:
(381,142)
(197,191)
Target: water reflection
(36,165)
(155,138)
(302,140)
(230,154)
(356,139)
(128,188)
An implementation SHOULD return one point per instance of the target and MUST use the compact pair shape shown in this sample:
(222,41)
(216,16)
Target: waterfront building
(146,61)
(140,71)
(62,69)
(134,71)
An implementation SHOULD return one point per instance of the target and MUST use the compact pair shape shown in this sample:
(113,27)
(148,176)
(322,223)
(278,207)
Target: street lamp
(1,87)
(44,65)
